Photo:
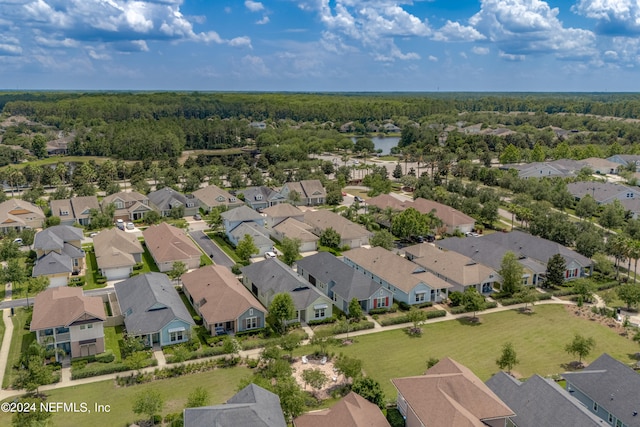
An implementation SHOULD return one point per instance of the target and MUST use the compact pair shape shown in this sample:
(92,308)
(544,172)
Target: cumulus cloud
(264,20)
(240,42)
(254,6)
(454,31)
(254,65)
(511,57)
(615,17)
(478,50)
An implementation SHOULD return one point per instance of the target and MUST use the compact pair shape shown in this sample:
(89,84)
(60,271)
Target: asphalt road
(217,255)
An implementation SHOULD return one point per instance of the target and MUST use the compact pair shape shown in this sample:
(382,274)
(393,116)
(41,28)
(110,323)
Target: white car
(269,254)
(130,226)
(18,241)
(471,234)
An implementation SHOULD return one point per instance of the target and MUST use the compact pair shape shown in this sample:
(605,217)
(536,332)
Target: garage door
(55,282)
(118,273)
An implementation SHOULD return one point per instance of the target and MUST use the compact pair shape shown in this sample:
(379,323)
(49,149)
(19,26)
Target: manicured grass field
(20,341)
(92,272)
(112,336)
(220,383)
(148,263)
(539,340)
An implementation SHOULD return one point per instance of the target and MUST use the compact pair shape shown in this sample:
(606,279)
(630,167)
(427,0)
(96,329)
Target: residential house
(310,192)
(17,214)
(130,205)
(541,402)
(632,207)
(278,213)
(603,192)
(153,310)
(409,282)
(351,234)
(342,283)
(563,168)
(234,217)
(449,394)
(626,159)
(452,219)
(294,229)
(259,235)
(384,201)
(271,277)
(59,254)
(252,406)
(168,244)
(609,389)
(222,301)
(601,166)
(213,196)
(459,270)
(75,210)
(64,318)
(116,253)
(165,200)
(352,410)
(262,197)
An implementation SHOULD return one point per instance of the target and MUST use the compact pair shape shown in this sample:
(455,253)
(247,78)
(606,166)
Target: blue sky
(321,45)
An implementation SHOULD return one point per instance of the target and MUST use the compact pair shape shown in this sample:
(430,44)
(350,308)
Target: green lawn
(226,247)
(205,260)
(112,338)
(539,340)
(20,341)
(220,383)
(148,263)
(91,276)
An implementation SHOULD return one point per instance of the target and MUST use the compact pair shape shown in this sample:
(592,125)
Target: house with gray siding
(409,282)
(233,218)
(266,279)
(342,283)
(59,254)
(602,192)
(609,389)
(166,199)
(153,310)
(626,160)
(262,197)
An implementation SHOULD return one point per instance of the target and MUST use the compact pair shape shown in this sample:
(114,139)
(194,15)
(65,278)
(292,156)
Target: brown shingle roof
(61,306)
(168,243)
(449,394)
(282,210)
(294,229)
(213,195)
(115,248)
(352,410)
(11,211)
(394,269)
(323,219)
(447,214)
(220,295)
(83,204)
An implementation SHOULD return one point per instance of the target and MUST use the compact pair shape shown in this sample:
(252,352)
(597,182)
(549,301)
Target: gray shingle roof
(54,237)
(167,198)
(541,402)
(153,302)
(52,263)
(273,275)
(602,192)
(258,233)
(349,283)
(613,385)
(252,406)
(241,213)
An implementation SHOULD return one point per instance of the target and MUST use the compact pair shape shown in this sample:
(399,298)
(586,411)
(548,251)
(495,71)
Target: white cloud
(253,6)
(615,17)
(511,57)
(254,65)
(264,20)
(433,58)
(53,42)
(454,31)
(240,42)
(480,50)
(98,56)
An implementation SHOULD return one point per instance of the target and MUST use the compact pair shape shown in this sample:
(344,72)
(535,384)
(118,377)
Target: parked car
(358,199)
(471,234)
(18,241)
(220,330)
(93,235)
(130,226)
(197,217)
(269,254)
(120,224)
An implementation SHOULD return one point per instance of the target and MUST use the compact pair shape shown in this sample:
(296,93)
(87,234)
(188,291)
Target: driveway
(210,248)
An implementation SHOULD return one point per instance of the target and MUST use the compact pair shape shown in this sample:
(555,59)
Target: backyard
(20,341)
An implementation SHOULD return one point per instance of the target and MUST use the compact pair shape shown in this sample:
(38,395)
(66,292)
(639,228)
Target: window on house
(381,302)
(420,296)
(89,326)
(251,322)
(610,419)
(251,312)
(176,336)
(525,280)
(64,213)
(190,205)
(618,423)
(119,205)
(319,313)
(595,406)
(82,327)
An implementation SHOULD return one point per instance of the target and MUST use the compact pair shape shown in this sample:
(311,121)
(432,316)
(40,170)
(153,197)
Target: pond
(383,143)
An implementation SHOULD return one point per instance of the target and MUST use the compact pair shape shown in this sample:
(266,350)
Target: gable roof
(259,194)
(602,192)
(242,213)
(272,276)
(82,205)
(282,210)
(125,196)
(167,198)
(447,214)
(252,406)
(308,188)
(212,195)
(541,402)
(452,265)
(349,283)
(612,384)
(10,211)
(53,238)
(61,208)
(450,394)
(115,248)
(384,201)
(294,229)
(218,293)
(394,269)
(323,219)
(600,164)
(61,306)
(257,232)
(149,302)
(168,243)
(352,410)
(52,263)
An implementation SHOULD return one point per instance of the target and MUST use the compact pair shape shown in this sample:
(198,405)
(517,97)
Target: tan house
(459,270)
(116,253)
(449,394)
(309,192)
(76,210)
(59,254)
(294,229)
(168,244)
(278,213)
(222,301)
(213,196)
(351,234)
(352,410)
(130,206)
(452,219)
(66,319)
(17,214)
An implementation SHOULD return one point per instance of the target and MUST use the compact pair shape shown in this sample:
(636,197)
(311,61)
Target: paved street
(210,248)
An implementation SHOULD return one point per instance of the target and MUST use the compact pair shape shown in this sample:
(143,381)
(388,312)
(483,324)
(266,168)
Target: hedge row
(325,321)
(199,354)
(342,328)
(104,369)
(405,319)
(461,309)
(517,300)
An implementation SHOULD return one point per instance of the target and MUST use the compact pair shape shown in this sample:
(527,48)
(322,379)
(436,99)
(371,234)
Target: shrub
(197,319)
(106,357)
(101,280)
(381,310)
(325,321)
(359,326)
(97,369)
(424,304)
(436,313)
(394,321)
(404,306)
(395,418)
(460,310)
(236,269)
(138,266)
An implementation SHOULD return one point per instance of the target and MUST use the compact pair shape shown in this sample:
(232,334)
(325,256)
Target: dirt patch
(586,313)
(334,378)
